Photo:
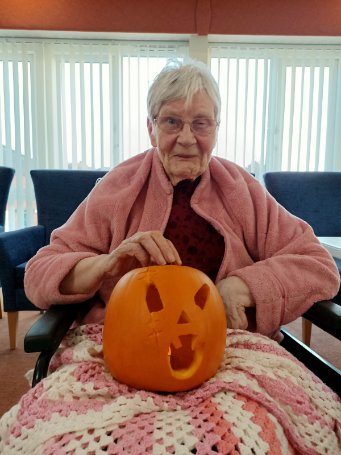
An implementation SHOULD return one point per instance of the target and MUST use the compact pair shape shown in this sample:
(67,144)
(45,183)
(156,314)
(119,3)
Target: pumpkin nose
(183,330)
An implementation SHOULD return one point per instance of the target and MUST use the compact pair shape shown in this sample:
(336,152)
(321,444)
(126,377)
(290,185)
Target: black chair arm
(327,372)
(46,334)
(41,367)
(327,316)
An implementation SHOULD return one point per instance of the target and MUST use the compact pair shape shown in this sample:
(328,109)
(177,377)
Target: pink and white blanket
(261,401)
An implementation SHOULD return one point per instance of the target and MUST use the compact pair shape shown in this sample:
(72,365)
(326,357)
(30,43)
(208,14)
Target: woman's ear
(151,133)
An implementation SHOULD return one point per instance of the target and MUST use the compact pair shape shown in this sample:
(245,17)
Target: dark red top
(198,243)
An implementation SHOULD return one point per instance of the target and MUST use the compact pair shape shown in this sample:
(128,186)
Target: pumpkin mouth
(182,358)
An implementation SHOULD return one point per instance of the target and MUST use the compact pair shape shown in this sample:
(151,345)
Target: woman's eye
(172,121)
(202,122)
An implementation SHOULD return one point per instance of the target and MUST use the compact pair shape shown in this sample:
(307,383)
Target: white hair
(182,80)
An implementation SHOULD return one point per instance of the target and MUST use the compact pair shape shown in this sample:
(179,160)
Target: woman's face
(184,154)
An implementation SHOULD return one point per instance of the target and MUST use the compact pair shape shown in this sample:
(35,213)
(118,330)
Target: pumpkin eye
(201,296)
(153,299)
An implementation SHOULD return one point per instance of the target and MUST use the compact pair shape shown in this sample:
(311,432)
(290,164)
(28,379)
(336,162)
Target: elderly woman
(177,204)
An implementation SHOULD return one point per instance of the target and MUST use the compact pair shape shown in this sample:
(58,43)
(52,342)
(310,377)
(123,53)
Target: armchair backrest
(313,196)
(58,193)
(6,177)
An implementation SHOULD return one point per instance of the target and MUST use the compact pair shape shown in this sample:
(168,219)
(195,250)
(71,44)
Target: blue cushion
(313,196)
(59,192)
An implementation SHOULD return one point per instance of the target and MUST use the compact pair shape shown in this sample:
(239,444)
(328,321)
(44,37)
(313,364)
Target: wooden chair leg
(306,331)
(12,317)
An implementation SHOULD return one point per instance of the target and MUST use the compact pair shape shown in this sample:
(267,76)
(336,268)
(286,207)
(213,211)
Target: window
(73,104)
(82,104)
(281,106)
(19,105)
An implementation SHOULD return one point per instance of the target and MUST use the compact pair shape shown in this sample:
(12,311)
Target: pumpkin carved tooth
(164,329)
(182,358)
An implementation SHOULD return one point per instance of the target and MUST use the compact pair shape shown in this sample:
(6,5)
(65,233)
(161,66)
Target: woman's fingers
(175,253)
(236,318)
(243,322)
(160,250)
(157,248)
(142,249)
(236,298)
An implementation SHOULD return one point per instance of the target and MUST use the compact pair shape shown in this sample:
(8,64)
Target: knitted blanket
(261,401)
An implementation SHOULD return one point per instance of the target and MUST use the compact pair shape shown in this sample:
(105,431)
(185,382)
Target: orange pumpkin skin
(164,329)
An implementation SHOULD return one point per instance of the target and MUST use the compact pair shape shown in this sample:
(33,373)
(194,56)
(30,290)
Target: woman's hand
(236,297)
(140,250)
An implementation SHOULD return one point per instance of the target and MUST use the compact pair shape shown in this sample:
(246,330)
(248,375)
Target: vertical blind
(82,104)
(72,104)
(281,108)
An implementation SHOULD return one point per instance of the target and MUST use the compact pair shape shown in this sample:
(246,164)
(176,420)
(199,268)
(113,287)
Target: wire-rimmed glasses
(170,124)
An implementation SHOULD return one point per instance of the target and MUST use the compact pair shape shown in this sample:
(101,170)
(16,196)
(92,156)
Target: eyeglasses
(202,126)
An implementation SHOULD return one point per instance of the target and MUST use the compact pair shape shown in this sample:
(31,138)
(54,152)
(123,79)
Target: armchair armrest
(327,316)
(327,372)
(19,246)
(47,333)
(16,248)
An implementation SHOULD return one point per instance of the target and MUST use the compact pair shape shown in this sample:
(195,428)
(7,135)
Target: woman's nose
(186,135)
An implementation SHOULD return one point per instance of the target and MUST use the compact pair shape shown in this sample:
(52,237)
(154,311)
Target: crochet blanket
(261,401)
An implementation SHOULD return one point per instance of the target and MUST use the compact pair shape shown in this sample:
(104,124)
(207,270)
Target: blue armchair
(58,193)
(47,332)
(316,198)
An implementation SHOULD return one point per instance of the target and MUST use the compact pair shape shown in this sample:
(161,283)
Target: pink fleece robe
(276,254)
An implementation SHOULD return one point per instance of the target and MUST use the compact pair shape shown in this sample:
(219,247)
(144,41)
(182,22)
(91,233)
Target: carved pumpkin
(164,329)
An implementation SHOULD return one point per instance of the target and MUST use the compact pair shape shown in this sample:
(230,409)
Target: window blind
(73,104)
(82,104)
(281,106)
